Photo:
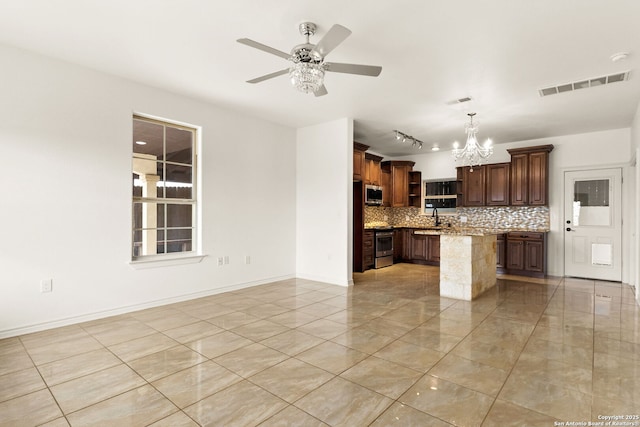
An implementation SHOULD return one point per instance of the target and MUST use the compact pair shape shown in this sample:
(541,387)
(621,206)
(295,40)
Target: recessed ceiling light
(619,56)
(141,143)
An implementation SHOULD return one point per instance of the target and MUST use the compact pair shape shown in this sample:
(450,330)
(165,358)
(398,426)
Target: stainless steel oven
(383,248)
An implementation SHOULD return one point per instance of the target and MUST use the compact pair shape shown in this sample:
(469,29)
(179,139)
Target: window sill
(166,261)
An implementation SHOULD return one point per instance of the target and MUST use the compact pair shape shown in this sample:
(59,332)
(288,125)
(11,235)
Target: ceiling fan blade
(322,90)
(268,76)
(363,70)
(264,48)
(336,35)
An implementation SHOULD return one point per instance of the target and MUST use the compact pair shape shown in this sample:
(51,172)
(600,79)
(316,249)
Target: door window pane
(591,203)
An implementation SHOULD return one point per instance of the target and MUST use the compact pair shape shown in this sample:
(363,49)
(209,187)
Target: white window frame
(172,258)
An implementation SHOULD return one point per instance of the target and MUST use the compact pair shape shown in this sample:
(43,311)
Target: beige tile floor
(388,351)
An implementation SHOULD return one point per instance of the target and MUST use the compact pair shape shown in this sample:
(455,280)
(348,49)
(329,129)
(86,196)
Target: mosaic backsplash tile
(500,217)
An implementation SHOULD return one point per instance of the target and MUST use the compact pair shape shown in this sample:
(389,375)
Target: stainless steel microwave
(373,195)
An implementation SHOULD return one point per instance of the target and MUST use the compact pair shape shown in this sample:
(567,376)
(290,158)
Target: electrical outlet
(46,285)
(247,259)
(226,259)
(220,261)
(463,219)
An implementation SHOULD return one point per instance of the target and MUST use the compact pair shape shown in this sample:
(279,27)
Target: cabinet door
(371,172)
(358,165)
(398,239)
(534,256)
(501,261)
(519,179)
(367,251)
(434,248)
(400,183)
(419,247)
(385,182)
(407,235)
(497,176)
(473,186)
(515,254)
(538,178)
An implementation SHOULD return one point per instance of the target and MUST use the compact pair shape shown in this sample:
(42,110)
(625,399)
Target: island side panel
(467,265)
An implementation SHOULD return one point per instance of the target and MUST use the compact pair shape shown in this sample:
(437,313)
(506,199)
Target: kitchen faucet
(435,213)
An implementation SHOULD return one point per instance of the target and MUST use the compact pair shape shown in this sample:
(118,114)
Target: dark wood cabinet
(539,178)
(419,248)
(398,186)
(473,186)
(407,236)
(497,184)
(519,179)
(359,161)
(398,244)
(367,251)
(501,254)
(433,249)
(415,189)
(522,182)
(385,183)
(526,253)
(372,173)
(530,175)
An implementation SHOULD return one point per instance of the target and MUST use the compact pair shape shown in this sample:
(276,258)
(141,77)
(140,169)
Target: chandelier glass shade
(307,77)
(473,154)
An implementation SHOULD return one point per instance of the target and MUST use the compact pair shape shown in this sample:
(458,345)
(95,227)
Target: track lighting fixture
(403,137)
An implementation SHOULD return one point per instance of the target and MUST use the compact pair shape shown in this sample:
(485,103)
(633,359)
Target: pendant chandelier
(473,154)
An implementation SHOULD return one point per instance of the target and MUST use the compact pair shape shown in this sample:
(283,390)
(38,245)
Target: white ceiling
(499,52)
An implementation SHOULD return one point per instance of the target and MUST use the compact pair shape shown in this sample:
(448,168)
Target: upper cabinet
(415,188)
(530,175)
(522,182)
(397,189)
(372,173)
(497,177)
(473,185)
(359,165)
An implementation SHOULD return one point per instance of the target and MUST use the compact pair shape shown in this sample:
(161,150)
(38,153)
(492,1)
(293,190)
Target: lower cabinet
(367,249)
(526,253)
(421,248)
(398,244)
(501,253)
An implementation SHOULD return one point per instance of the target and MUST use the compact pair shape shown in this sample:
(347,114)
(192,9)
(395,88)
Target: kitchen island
(467,262)
(467,265)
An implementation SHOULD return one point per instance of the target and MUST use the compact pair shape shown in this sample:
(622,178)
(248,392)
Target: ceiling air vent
(583,84)
(460,100)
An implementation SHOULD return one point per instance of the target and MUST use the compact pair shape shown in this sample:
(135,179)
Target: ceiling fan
(308,66)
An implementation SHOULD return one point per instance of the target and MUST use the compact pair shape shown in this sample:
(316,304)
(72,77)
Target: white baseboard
(131,308)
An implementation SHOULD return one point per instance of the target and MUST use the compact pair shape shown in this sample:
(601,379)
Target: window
(440,194)
(163,188)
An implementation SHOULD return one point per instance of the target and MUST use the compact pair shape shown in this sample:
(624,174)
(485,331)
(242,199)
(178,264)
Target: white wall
(588,150)
(324,202)
(65,203)
(635,199)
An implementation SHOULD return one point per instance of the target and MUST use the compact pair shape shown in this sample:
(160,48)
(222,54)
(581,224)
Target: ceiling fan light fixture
(307,77)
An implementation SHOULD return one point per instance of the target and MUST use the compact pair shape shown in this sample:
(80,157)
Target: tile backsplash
(507,217)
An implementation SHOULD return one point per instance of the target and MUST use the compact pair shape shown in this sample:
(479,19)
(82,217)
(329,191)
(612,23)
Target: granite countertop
(460,231)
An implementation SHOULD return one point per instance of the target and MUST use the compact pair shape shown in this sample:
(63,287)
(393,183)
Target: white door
(593,224)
